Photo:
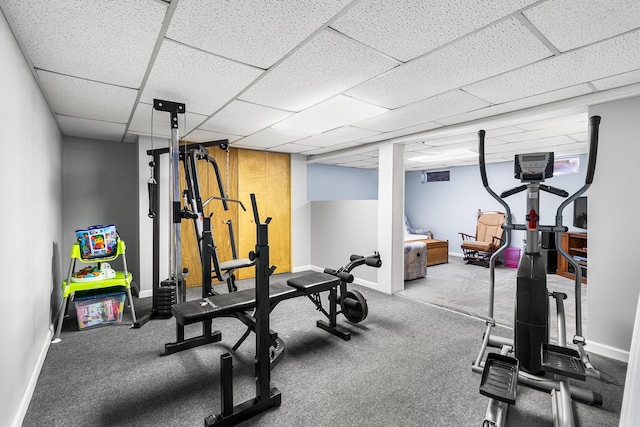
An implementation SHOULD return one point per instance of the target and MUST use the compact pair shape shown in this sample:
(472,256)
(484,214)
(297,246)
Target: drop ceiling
(333,79)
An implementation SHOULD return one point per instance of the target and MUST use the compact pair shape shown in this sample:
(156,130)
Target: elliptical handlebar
(513,191)
(593,148)
(483,167)
(553,190)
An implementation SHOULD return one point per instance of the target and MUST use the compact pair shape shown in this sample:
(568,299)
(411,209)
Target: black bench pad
(235,263)
(224,305)
(313,282)
(229,304)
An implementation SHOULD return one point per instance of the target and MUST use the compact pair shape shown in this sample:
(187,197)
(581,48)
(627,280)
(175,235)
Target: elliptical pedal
(562,361)
(500,378)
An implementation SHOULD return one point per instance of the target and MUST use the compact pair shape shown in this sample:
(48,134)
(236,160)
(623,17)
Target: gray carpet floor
(465,288)
(407,364)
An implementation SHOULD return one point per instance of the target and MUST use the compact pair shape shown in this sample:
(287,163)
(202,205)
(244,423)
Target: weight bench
(238,304)
(225,305)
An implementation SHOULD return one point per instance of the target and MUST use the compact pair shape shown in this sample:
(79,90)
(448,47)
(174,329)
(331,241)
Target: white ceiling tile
(330,114)
(581,147)
(323,67)
(257,33)
(508,44)
(338,136)
(617,81)
(422,127)
(452,140)
(199,135)
(533,144)
(569,24)
(87,99)
(360,164)
(571,119)
(613,56)
(353,158)
(108,41)
(580,136)
(545,132)
(244,118)
(444,105)
(145,115)
(268,138)
(94,129)
(292,148)
(332,148)
(405,29)
(201,81)
(519,104)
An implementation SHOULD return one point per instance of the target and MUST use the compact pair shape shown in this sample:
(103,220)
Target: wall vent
(435,176)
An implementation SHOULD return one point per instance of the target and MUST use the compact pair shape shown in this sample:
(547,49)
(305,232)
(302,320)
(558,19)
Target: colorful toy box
(99,241)
(99,309)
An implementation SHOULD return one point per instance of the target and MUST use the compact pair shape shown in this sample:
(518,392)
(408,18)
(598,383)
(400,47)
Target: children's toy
(92,273)
(98,241)
(87,274)
(98,310)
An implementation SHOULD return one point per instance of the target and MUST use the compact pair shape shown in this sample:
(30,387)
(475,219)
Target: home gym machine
(263,299)
(530,358)
(172,290)
(237,304)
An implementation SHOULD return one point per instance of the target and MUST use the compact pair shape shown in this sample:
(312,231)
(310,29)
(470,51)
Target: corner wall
(31,194)
(613,206)
(99,188)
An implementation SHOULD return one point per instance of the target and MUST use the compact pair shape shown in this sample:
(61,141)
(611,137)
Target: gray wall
(327,182)
(613,208)
(100,187)
(31,218)
(450,207)
(342,228)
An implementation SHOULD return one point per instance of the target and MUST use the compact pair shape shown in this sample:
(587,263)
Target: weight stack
(165,296)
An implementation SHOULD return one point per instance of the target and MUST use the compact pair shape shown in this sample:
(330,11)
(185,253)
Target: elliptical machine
(527,357)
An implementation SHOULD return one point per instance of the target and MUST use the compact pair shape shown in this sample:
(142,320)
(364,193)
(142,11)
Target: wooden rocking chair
(488,238)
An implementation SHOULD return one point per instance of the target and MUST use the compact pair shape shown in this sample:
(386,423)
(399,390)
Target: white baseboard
(145,294)
(33,380)
(607,351)
(366,283)
(302,268)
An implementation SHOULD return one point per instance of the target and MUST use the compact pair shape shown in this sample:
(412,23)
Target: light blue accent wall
(447,208)
(328,182)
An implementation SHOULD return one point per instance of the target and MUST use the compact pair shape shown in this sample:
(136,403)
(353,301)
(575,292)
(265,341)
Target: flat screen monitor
(580,213)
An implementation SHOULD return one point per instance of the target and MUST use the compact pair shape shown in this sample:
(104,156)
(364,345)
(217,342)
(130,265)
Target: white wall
(300,215)
(31,214)
(330,182)
(613,205)
(342,228)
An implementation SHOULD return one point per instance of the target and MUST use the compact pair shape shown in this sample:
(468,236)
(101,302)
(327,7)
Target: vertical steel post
(175,254)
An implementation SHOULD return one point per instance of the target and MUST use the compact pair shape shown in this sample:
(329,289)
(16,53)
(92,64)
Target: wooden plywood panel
(251,180)
(278,206)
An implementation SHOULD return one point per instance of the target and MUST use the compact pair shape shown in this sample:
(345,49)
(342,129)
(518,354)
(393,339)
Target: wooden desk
(437,251)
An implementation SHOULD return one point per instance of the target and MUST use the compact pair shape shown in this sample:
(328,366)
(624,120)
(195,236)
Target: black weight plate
(354,307)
